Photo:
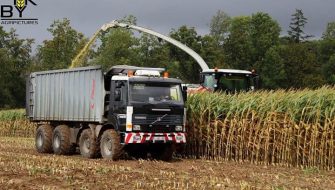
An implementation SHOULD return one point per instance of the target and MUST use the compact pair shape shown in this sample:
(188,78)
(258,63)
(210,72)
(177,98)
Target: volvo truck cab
(147,109)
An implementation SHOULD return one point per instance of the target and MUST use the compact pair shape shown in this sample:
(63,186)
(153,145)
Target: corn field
(14,123)
(295,128)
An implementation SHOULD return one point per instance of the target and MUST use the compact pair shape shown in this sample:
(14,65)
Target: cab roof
(123,69)
(154,80)
(235,71)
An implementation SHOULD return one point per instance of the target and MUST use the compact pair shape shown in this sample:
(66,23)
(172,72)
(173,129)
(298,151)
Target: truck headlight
(137,127)
(179,128)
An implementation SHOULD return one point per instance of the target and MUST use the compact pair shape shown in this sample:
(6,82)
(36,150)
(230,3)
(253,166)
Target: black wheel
(110,146)
(163,152)
(61,143)
(89,146)
(43,139)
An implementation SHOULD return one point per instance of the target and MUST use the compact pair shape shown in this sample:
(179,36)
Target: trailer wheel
(110,146)
(61,144)
(89,146)
(163,152)
(43,139)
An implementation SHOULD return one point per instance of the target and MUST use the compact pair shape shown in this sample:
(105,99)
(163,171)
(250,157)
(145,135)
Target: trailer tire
(43,139)
(89,146)
(61,143)
(110,146)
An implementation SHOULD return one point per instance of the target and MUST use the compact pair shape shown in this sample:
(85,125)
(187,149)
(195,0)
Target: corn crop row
(14,123)
(295,128)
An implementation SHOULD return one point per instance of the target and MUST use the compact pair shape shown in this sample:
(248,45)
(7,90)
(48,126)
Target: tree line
(294,60)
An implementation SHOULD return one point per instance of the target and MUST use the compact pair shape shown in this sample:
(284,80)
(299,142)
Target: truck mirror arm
(184,93)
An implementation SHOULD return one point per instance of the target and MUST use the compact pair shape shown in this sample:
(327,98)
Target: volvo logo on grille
(159,119)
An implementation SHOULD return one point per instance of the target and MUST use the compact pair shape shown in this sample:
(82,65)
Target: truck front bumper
(138,138)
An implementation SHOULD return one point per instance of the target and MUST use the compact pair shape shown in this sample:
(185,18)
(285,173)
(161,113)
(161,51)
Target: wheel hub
(87,143)
(108,146)
(56,141)
(39,140)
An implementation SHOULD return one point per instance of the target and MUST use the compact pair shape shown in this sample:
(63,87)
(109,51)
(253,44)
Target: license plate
(159,138)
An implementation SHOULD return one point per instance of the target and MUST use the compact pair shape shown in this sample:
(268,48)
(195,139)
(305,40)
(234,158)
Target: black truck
(127,109)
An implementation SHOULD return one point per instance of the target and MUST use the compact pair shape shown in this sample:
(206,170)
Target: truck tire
(61,143)
(43,139)
(89,146)
(110,146)
(163,152)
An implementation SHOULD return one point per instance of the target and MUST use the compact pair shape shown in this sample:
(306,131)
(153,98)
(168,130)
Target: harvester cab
(229,80)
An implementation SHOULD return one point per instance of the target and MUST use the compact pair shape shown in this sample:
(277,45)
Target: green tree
(15,62)
(238,45)
(212,52)
(298,22)
(219,26)
(326,56)
(264,35)
(19,50)
(273,73)
(329,70)
(58,52)
(326,48)
(129,19)
(301,65)
(186,65)
(6,100)
(153,52)
(329,34)
(118,46)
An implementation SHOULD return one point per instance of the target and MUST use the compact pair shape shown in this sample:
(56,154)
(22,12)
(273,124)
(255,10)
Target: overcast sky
(162,15)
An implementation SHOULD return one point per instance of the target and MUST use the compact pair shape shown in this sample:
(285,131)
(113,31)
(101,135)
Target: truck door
(118,103)
(118,96)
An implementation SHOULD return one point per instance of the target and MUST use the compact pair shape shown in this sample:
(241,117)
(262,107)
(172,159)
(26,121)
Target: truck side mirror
(184,91)
(117,95)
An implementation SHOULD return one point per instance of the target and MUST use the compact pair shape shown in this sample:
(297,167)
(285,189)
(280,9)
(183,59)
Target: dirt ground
(21,167)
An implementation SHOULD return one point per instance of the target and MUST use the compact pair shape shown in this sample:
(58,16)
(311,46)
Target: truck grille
(143,119)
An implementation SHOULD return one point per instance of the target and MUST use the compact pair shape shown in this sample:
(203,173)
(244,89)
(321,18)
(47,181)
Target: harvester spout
(79,59)
(197,57)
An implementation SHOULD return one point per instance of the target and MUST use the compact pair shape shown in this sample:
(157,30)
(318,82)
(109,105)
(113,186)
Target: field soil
(21,167)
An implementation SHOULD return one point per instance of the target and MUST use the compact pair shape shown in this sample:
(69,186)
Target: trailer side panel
(66,95)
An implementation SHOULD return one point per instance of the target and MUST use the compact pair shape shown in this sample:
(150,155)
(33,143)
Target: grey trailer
(66,95)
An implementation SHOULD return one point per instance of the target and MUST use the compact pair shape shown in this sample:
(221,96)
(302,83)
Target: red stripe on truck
(144,137)
(128,137)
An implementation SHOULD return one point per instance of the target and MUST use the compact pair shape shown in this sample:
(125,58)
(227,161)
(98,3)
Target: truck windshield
(227,83)
(155,93)
(233,83)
